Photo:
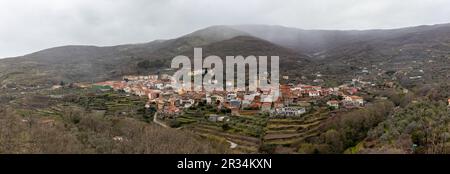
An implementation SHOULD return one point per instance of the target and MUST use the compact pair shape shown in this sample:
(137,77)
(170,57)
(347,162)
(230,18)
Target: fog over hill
(332,51)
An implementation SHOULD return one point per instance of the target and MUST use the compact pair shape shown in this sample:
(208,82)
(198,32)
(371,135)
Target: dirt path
(232,144)
(155,120)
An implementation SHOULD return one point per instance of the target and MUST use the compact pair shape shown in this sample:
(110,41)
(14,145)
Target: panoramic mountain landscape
(353,91)
(345,49)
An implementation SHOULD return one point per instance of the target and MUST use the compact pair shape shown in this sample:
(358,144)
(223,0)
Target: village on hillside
(295,99)
(250,121)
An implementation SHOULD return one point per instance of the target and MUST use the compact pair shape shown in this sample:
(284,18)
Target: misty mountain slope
(317,41)
(240,45)
(340,54)
(187,42)
(292,63)
(90,63)
(68,63)
(218,33)
(412,52)
(308,41)
(296,39)
(247,45)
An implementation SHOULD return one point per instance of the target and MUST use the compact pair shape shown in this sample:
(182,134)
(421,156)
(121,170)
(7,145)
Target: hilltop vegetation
(421,127)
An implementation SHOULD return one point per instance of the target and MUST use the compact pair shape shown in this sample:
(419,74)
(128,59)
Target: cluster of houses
(290,101)
(306,92)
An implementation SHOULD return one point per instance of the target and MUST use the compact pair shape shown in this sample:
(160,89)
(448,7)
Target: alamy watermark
(207,74)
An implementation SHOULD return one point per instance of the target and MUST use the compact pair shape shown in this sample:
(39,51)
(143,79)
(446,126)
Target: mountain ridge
(331,51)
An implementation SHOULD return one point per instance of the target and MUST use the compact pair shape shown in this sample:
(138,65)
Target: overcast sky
(30,25)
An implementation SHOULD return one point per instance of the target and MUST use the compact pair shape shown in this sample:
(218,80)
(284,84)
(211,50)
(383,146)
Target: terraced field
(291,131)
(251,133)
(54,104)
(245,144)
(113,104)
(245,131)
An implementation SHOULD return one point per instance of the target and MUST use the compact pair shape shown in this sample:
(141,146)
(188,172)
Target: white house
(289,111)
(231,96)
(314,93)
(333,103)
(217,98)
(355,100)
(187,103)
(159,85)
